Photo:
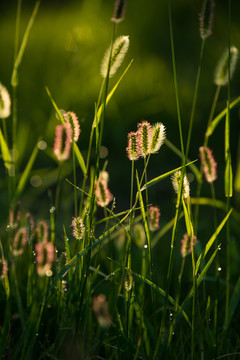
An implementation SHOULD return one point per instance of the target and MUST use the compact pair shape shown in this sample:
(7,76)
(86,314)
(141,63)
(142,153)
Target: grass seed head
(144,138)
(78,228)
(187,244)
(158,135)
(133,151)
(119,11)
(3,268)
(63,139)
(208,163)
(102,193)
(154,215)
(44,257)
(71,118)
(221,72)
(20,241)
(176,178)
(119,49)
(206,19)
(5,102)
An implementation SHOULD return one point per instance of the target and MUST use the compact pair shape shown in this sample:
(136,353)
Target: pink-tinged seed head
(144,137)
(208,163)
(206,19)
(71,118)
(78,230)
(119,11)
(101,311)
(102,193)
(154,215)
(187,244)
(20,241)
(63,139)
(3,268)
(44,257)
(133,150)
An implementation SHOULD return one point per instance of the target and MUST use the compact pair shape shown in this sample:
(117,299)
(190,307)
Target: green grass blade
(80,158)
(218,118)
(145,224)
(228,178)
(233,305)
(161,177)
(14,80)
(99,112)
(211,241)
(26,172)
(55,106)
(189,225)
(5,151)
(157,289)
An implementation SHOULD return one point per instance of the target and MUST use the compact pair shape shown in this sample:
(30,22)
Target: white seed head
(221,73)
(176,177)
(119,49)
(5,102)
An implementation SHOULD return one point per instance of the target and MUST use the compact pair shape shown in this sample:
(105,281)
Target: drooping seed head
(119,11)
(44,257)
(71,118)
(15,215)
(208,163)
(78,230)
(187,244)
(5,102)
(101,311)
(206,19)
(154,215)
(20,241)
(63,139)
(3,268)
(102,193)
(221,73)
(158,135)
(176,178)
(119,49)
(133,151)
(144,137)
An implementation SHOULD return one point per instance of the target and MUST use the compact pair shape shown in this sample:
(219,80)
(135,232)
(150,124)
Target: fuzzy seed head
(119,49)
(78,230)
(44,257)
(144,137)
(154,215)
(187,244)
(104,176)
(101,311)
(128,281)
(102,193)
(71,118)
(133,151)
(221,73)
(63,139)
(206,19)
(15,216)
(5,102)
(158,135)
(208,163)
(20,241)
(176,178)
(119,11)
(3,268)
(42,231)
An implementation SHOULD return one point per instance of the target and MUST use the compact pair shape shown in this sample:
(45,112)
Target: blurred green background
(64,53)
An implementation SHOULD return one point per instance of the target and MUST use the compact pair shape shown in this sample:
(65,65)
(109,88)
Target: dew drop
(219,249)
(36,334)
(145,246)
(52,209)
(8,227)
(219,268)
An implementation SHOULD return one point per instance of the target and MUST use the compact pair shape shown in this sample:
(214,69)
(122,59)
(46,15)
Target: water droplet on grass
(145,246)
(52,209)
(219,268)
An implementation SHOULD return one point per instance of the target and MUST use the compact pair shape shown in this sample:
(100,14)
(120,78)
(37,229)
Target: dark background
(64,52)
